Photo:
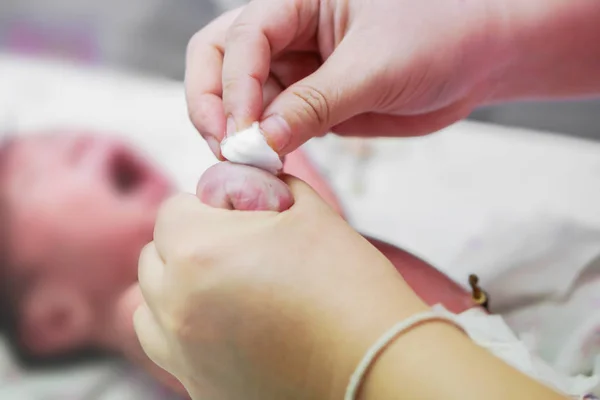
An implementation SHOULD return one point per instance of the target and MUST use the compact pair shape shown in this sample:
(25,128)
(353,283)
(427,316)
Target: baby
(77,210)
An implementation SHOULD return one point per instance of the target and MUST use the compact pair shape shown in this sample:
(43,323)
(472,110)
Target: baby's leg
(430,284)
(297,164)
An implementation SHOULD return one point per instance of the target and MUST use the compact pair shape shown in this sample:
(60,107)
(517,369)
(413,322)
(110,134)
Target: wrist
(494,53)
(481,49)
(406,360)
(438,351)
(369,318)
(546,51)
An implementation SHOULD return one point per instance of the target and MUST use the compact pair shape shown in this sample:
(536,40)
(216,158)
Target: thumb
(340,89)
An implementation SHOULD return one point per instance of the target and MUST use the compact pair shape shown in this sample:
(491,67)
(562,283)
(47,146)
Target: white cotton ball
(250,147)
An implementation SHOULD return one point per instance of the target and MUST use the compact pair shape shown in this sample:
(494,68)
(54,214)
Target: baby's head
(77,209)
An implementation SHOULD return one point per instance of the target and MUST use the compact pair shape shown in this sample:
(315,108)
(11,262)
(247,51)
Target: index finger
(262,30)
(203,78)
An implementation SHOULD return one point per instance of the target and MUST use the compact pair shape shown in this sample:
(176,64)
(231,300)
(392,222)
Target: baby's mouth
(131,175)
(126,174)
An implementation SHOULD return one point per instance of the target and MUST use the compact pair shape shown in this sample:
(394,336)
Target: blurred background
(150,37)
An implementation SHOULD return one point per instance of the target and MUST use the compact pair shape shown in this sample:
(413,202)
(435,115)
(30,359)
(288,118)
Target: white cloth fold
(492,333)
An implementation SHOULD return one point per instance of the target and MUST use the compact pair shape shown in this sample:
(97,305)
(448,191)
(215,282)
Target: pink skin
(239,187)
(75,229)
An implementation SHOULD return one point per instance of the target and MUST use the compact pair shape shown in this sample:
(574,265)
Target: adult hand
(306,67)
(232,188)
(259,305)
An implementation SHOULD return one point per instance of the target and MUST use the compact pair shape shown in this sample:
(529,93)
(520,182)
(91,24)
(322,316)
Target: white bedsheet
(516,207)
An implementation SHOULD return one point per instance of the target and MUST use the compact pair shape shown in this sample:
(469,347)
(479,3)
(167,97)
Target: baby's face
(79,207)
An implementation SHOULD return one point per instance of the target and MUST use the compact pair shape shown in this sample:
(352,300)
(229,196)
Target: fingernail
(214,146)
(231,127)
(277,132)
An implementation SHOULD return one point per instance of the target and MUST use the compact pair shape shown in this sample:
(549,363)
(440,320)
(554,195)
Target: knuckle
(240,30)
(195,41)
(190,259)
(175,209)
(182,325)
(172,319)
(167,208)
(315,103)
(181,320)
(230,83)
(147,254)
(234,79)
(188,322)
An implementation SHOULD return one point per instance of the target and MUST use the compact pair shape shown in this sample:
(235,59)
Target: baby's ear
(55,318)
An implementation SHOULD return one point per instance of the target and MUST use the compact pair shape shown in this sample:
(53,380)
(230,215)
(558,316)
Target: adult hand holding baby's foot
(227,186)
(248,304)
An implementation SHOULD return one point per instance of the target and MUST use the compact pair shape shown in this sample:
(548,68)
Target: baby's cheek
(240,187)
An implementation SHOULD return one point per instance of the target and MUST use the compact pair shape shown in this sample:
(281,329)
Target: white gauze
(249,147)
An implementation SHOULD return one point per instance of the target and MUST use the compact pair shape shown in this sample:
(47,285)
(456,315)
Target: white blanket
(516,207)
(520,209)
